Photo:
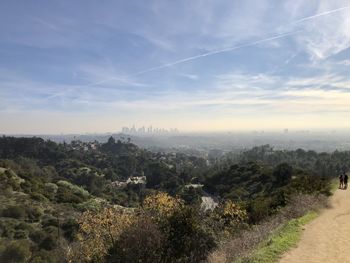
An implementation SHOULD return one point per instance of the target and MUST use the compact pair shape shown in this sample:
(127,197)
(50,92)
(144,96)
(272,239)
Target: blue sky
(95,66)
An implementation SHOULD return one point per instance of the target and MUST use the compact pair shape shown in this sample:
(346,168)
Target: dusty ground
(327,238)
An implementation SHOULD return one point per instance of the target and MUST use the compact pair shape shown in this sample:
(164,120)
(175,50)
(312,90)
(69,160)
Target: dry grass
(248,240)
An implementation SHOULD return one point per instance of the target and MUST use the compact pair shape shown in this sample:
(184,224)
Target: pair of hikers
(343,181)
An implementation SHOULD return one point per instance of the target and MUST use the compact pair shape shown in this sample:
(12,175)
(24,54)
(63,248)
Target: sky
(200,65)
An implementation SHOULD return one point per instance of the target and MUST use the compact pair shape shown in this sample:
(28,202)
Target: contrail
(225,49)
(240,46)
(219,51)
(321,14)
(214,53)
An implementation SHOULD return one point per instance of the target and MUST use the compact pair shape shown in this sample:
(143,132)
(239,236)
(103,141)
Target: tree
(283,174)
(111,141)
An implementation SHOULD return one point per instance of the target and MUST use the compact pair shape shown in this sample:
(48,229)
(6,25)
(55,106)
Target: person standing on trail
(346,177)
(341,181)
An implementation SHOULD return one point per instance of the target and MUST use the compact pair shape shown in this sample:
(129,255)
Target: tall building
(125,130)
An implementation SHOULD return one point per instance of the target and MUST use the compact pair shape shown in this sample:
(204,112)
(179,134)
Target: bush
(66,195)
(70,229)
(7,228)
(15,252)
(49,243)
(186,239)
(37,236)
(50,190)
(141,242)
(20,234)
(311,184)
(33,214)
(75,189)
(14,211)
(258,209)
(38,197)
(98,231)
(44,256)
(49,221)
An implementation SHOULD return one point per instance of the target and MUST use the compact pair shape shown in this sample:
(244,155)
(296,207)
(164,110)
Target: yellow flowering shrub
(232,213)
(229,215)
(162,204)
(98,231)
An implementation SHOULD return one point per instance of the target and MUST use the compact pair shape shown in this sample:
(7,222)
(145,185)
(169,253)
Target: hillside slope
(325,239)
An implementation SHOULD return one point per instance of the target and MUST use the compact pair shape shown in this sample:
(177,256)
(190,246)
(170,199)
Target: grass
(279,242)
(334,185)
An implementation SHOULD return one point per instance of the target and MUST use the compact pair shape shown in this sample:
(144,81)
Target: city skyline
(149,129)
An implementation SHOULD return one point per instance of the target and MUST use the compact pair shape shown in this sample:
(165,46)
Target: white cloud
(345,62)
(326,35)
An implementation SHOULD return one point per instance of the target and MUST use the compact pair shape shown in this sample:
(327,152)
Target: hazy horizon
(199,66)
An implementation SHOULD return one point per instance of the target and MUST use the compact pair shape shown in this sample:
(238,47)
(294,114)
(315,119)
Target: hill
(54,197)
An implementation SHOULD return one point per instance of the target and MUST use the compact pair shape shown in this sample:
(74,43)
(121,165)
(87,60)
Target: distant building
(136,180)
(125,130)
(150,129)
(130,181)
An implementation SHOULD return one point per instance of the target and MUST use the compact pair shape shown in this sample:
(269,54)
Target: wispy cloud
(325,13)
(215,52)
(45,23)
(326,33)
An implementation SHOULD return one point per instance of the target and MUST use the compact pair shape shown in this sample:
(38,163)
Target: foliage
(14,211)
(98,232)
(142,241)
(187,241)
(45,186)
(230,215)
(75,189)
(162,205)
(16,252)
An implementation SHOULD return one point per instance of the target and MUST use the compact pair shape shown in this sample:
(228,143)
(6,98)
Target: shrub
(66,195)
(38,197)
(49,221)
(37,236)
(228,216)
(162,205)
(70,229)
(44,256)
(140,242)
(9,180)
(51,230)
(50,190)
(258,209)
(98,231)
(186,239)
(311,184)
(20,234)
(76,189)
(7,228)
(49,242)
(14,211)
(15,252)
(93,204)
(33,214)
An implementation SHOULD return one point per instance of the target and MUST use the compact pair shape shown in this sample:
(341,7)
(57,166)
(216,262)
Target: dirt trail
(327,238)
